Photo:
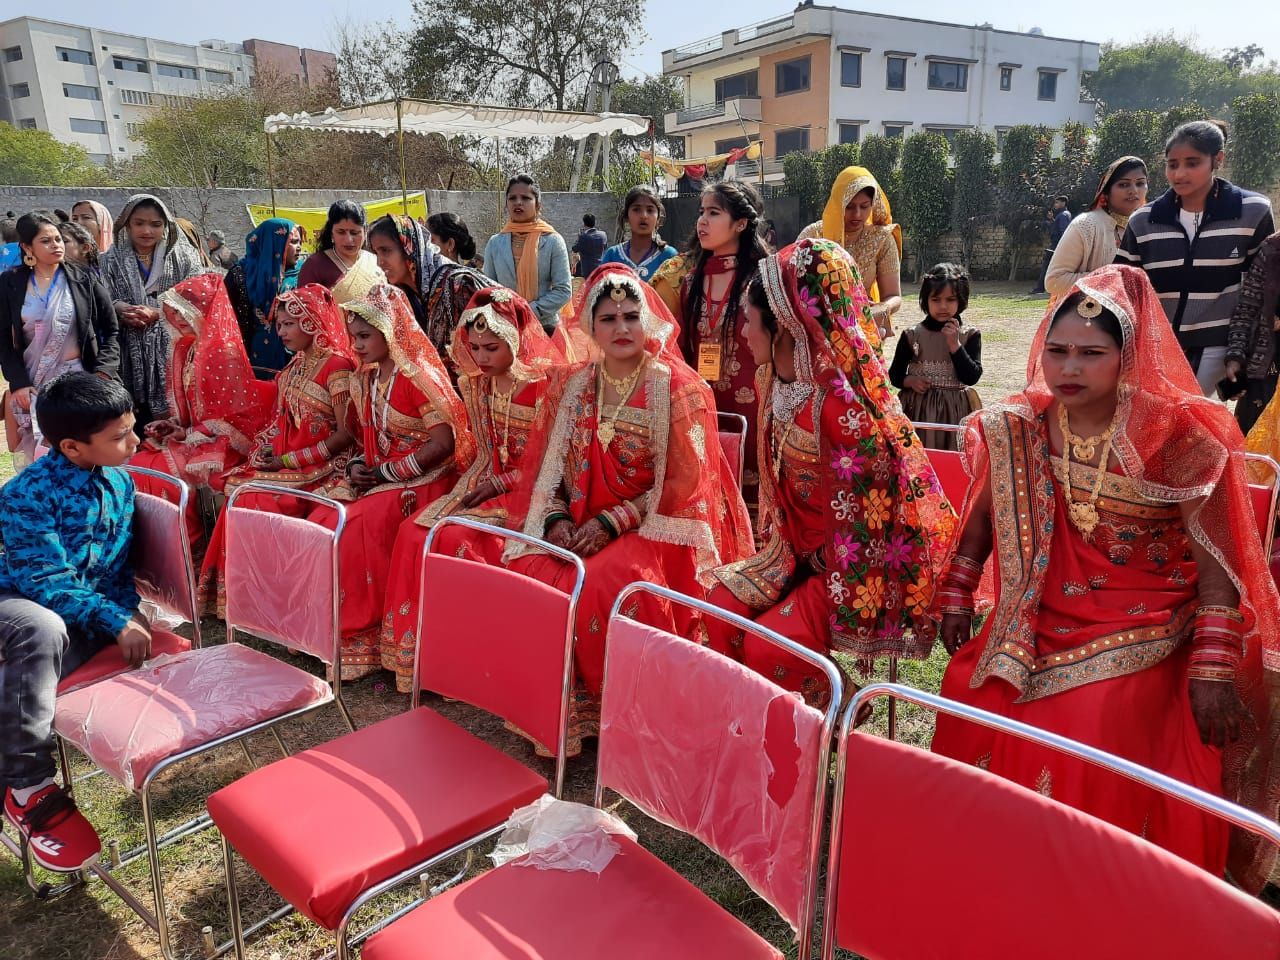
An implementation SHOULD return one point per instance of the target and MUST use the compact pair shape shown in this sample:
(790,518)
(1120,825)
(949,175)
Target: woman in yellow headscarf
(857,216)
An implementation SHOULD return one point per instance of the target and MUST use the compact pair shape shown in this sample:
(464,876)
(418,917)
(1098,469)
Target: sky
(667,23)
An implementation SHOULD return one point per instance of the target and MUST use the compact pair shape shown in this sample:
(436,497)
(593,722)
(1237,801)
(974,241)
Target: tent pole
(497,168)
(404,187)
(271,179)
(653,152)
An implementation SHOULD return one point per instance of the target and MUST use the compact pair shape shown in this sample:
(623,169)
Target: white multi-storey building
(823,75)
(95,88)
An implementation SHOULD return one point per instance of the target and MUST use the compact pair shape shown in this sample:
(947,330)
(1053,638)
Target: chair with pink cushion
(732,431)
(391,801)
(1014,873)
(700,743)
(282,579)
(1264,489)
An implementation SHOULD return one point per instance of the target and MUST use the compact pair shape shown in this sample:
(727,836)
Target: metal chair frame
(420,871)
(830,716)
(739,424)
(1207,802)
(157,919)
(1269,534)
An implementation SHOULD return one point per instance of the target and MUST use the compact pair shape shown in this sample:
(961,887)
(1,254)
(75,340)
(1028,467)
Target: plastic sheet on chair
(279,580)
(133,721)
(159,562)
(551,834)
(705,745)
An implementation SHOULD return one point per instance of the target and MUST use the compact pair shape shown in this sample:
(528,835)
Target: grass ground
(92,924)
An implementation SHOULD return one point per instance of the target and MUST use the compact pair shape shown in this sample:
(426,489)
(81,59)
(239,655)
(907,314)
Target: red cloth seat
(109,661)
(949,467)
(131,722)
(637,908)
(366,806)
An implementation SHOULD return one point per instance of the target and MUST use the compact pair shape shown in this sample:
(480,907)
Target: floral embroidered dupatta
(1175,447)
(889,529)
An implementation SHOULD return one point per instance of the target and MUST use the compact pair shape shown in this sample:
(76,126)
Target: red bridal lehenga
(1091,635)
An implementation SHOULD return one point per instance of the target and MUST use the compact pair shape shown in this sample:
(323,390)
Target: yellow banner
(311,219)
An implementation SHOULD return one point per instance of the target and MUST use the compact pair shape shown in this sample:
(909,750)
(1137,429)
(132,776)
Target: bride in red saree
(502,356)
(306,442)
(1134,611)
(854,525)
(215,404)
(413,436)
(630,475)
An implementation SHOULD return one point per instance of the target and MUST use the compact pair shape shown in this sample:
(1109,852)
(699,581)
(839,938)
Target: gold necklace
(1084,514)
(781,447)
(505,399)
(625,387)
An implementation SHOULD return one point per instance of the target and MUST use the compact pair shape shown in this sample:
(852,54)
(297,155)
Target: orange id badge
(709,361)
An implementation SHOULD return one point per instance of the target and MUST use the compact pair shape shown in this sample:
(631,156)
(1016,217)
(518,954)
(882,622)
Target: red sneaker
(57,834)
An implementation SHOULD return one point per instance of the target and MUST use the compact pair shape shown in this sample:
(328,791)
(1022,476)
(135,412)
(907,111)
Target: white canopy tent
(387,117)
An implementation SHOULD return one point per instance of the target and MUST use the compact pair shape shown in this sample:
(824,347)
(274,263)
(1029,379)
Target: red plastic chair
(733,441)
(387,803)
(138,724)
(1028,876)
(700,743)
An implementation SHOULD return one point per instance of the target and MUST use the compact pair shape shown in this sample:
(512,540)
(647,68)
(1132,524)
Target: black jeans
(36,651)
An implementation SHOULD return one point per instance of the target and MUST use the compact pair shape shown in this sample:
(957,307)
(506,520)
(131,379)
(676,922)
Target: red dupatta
(694,500)
(223,397)
(888,527)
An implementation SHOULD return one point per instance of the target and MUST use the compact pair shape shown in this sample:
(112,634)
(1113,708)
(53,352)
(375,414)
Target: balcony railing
(742,35)
(764,28)
(735,108)
(697,48)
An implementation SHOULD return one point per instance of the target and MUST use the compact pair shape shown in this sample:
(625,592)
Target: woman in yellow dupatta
(528,256)
(857,216)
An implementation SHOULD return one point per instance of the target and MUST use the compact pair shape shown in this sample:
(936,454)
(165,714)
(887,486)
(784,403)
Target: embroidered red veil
(693,501)
(1178,447)
(888,532)
(224,395)
(509,318)
(387,310)
(319,316)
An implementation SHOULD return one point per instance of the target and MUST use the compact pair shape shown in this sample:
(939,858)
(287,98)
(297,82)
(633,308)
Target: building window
(895,131)
(739,85)
(78,91)
(217,76)
(88,126)
(850,132)
(12,54)
(792,76)
(171,100)
(133,129)
(850,69)
(895,73)
(1006,78)
(948,76)
(19,91)
(100,158)
(71,55)
(172,70)
(733,143)
(136,98)
(27,123)
(795,140)
(947,132)
(130,65)
(1047,87)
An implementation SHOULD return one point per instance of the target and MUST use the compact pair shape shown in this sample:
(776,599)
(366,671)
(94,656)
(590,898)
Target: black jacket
(97,329)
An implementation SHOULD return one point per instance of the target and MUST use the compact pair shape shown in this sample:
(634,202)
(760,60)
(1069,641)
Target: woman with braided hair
(704,290)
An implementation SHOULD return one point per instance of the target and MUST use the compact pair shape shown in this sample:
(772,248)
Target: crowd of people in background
(576,393)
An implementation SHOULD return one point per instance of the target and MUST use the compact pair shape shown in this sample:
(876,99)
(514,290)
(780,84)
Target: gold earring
(29,259)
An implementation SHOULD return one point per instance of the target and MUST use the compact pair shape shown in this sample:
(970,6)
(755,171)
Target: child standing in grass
(938,361)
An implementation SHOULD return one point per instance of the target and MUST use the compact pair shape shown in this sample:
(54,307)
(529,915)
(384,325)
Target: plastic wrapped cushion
(1050,881)
(159,561)
(731,444)
(551,834)
(280,582)
(705,745)
(131,722)
(495,639)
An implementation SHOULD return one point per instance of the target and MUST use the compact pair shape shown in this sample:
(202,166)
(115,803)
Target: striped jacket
(1198,279)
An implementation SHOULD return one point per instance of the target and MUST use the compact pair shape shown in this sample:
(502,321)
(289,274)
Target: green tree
(1255,146)
(35,158)
(654,97)
(974,153)
(803,174)
(926,212)
(1018,207)
(540,55)
(1127,133)
(835,158)
(881,155)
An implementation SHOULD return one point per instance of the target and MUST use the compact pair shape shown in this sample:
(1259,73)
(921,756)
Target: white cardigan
(1088,243)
